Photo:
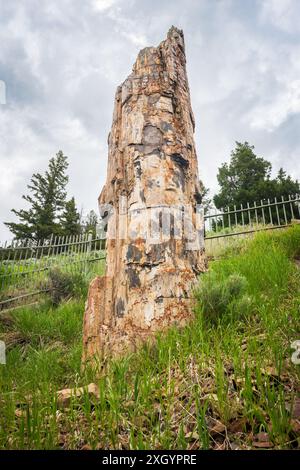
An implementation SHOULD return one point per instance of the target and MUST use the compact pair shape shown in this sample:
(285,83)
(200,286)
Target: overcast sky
(62,60)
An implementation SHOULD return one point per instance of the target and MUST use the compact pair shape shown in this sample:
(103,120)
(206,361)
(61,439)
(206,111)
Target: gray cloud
(62,60)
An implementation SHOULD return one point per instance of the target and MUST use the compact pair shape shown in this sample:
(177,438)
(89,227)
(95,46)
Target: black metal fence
(25,264)
(252,218)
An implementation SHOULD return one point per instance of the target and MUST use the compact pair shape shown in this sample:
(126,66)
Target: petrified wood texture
(152,166)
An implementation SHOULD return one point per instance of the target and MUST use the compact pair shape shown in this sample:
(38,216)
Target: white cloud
(62,61)
(284,14)
(103,5)
(139,40)
(272,115)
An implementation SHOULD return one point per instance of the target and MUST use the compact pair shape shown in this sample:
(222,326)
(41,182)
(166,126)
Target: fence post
(90,238)
(88,251)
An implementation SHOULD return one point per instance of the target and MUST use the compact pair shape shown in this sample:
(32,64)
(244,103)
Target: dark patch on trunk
(160,220)
(156,254)
(192,121)
(142,195)
(180,160)
(133,254)
(134,280)
(144,149)
(172,225)
(150,183)
(166,126)
(179,178)
(120,307)
(137,165)
(152,136)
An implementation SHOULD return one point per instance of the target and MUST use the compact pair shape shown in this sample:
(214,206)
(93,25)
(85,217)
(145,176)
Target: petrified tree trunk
(152,184)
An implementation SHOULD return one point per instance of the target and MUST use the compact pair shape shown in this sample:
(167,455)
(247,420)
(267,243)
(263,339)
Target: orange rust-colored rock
(154,230)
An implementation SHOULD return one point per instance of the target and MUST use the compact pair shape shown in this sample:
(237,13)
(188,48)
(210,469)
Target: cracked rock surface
(152,167)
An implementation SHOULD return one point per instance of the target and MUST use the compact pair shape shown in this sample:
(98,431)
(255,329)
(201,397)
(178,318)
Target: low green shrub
(262,272)
(63,285)
(217,297)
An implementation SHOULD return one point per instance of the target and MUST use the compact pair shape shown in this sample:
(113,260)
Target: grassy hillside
(225,381)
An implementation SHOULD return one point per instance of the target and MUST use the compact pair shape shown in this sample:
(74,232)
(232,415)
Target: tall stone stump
(150,205)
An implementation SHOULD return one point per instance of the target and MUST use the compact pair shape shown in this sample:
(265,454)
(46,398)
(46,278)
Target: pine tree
(70,219)
(91,221)
(205,199)
(247,178)
(46,198)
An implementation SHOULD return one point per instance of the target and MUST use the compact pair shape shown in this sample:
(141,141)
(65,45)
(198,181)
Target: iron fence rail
(25,264)
(266,215)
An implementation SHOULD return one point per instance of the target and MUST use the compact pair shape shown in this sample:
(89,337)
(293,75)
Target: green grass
(218,382)
(20,276)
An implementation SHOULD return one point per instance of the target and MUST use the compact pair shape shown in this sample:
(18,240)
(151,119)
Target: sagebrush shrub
(63,286)
(242,306)
(216,297)
(236,285)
